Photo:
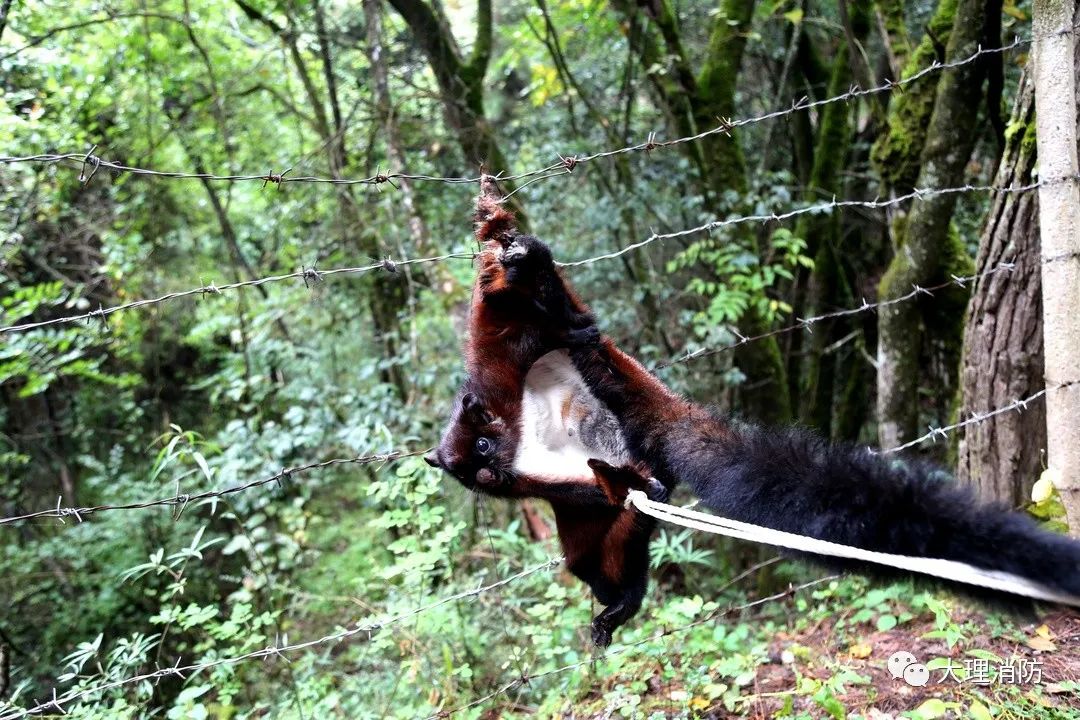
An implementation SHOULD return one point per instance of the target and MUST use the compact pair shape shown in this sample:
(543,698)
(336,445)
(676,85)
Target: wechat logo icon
(904,665)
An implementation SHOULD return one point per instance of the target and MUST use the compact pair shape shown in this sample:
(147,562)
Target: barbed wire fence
(179,502)
(88,164)
(368,627)
(311,275)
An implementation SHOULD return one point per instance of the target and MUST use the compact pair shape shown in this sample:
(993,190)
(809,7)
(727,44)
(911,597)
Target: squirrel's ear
(469,401)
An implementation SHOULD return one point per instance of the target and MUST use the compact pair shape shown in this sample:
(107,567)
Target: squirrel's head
(476,448)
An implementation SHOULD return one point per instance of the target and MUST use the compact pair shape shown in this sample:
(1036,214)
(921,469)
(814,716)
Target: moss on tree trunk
(897,154)
(921,256)
(822,235)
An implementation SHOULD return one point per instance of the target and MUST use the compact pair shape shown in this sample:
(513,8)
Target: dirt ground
(1046,656)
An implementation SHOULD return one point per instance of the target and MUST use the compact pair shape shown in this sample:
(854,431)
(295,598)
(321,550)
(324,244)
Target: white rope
(948,569)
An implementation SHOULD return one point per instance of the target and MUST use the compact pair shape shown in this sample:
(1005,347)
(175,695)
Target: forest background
(266,108)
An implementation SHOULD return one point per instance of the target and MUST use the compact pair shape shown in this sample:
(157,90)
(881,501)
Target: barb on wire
(182,500)
(366,628)
(716,614)
(943,432)
(724,126)
(309,275)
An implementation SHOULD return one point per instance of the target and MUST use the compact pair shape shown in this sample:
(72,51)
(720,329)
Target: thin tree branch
(5,9)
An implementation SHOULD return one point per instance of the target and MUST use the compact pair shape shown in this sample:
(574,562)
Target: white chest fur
(563,424)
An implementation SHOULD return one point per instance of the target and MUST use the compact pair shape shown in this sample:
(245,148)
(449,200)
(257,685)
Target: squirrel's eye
(483,446)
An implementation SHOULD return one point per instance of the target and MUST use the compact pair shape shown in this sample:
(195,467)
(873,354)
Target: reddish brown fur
(613,549)
(505,339)
(494,223)
(497,349)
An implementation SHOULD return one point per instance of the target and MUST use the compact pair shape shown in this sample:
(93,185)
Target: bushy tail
(494,223)
(792,480)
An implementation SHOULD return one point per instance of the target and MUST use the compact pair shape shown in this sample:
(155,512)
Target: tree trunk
(461,83)
(897,154)
(387,298)
(924,252)
(1003,341)
(890,19)
(821,290)
(716,93)
(697,103)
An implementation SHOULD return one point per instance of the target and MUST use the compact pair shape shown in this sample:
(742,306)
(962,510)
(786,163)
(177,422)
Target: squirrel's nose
(432,459)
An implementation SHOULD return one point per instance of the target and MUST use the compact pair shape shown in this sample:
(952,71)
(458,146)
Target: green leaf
(201,462)
(978,711)
(794,16)
(985,655)
(931,709)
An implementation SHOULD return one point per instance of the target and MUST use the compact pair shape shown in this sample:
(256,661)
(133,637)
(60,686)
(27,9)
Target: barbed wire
(943,432)
(834,204)
(88,163)
(1018,405)
(369,628)
(181,501)
(804,103)
(181,670)
(178,669)
(808,322)
(310,275)
(314,275)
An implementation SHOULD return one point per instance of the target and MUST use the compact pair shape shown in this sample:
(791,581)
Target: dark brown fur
(521,310)
(795,481)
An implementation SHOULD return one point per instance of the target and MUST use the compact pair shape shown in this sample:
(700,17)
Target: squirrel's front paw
(585,337)
(514,253)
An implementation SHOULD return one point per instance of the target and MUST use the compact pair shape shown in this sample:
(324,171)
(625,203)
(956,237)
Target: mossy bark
(716,93)
(950,138)
(673,92)
(890,17)
(767,397)
(897,154)
(825,287)
(822,235)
